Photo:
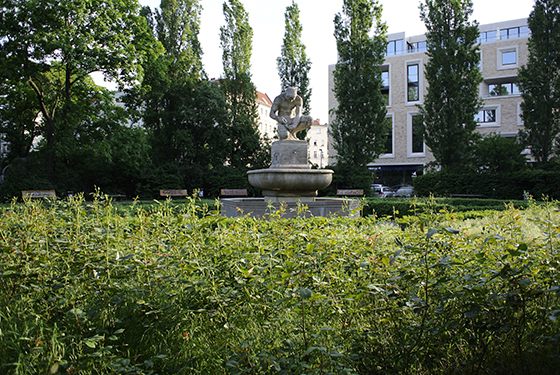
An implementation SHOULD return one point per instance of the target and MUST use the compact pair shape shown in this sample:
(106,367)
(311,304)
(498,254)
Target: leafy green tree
(360,123)
(53,46)
(18,119)
(497,154)
(236,39)
(539,81)
(293,64)
(453,77)
(186,116)
(177,27)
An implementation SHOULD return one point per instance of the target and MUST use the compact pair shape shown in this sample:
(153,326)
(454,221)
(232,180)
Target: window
(503,89)
(487,36)
(514,32)
(509,58)
(416,47)
(414,139)
(315,154)
(417,138)
(388,144)
(322,142)
(395,47)
(488,116)
(314,142)
(385,89)
(413,83)
(479,54)
(318,130)
(388,140)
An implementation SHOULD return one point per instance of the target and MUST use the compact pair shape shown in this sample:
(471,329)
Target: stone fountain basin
(290,182)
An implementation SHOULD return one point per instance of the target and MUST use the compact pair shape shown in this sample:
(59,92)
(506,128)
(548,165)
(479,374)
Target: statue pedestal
(291,154)
(289,177)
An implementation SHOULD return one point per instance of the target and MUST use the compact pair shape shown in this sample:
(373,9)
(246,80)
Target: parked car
(405,192)
(381,191)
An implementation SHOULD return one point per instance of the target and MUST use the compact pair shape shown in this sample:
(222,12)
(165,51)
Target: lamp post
(321,162)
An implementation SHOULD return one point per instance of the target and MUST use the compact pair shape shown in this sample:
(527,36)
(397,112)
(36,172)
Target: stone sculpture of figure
(286,109)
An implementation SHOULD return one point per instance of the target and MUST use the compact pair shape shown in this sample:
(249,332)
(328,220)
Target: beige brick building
(503,49)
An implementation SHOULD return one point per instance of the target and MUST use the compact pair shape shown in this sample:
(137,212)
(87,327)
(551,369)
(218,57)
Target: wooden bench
(38,194)
(173,193)
(350,192)
(233,192)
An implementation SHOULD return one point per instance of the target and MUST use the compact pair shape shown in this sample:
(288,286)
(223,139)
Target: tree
(293,64)
(18,119)
(360,123)
(53,46)
(539,81)
(453,76)
(496,154)
(177,27)
(186,116)
(236,39)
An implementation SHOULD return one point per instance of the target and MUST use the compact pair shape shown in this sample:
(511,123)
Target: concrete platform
(259,208)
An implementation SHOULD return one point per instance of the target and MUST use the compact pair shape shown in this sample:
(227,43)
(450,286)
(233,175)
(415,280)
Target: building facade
(503,50)
(318,140)
(266,125)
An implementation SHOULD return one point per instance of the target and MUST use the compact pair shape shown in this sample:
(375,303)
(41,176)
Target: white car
(381,191)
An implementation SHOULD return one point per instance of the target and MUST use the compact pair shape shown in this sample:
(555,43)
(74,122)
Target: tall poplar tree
(360,123)
(539,81)
(236,40)
(453,77)
(293,63)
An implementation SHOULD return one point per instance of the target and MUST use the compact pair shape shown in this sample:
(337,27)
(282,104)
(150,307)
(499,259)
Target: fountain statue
(290,179)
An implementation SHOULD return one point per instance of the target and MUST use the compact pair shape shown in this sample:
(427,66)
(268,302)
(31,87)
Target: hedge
(537,183)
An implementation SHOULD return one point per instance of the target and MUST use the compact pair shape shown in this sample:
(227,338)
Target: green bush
(538,183)
(172,288)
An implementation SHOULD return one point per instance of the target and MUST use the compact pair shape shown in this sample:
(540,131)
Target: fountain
(289,181)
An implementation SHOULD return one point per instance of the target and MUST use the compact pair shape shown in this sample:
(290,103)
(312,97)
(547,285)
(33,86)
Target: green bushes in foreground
(86,288)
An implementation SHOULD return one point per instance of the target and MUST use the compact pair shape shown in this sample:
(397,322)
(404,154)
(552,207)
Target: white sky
(266,17)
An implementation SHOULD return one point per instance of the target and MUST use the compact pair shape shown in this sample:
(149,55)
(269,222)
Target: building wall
(401,110)
(266,125)
(318,140)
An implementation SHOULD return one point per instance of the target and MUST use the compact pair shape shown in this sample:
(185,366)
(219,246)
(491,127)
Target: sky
(266,17)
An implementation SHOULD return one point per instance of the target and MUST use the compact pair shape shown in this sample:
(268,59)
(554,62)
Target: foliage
(451,103)
(293,63)
(359,124)
(87,288)
(349,177)
(185,115)
(177,28)
(511,185)
(496,154)
(539,81)
(462,208)
(236,40)
(53,46)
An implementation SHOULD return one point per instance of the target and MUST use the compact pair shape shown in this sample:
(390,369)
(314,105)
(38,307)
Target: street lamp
(321,162)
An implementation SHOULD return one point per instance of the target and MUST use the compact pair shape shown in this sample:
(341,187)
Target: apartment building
(266,125)
(318,140)
(503,50)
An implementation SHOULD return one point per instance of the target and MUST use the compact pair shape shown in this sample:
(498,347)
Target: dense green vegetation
(91,287)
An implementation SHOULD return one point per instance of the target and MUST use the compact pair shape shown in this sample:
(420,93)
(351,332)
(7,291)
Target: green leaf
(305,293)
(431,232)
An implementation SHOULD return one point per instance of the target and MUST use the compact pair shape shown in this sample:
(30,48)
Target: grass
(174,288)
